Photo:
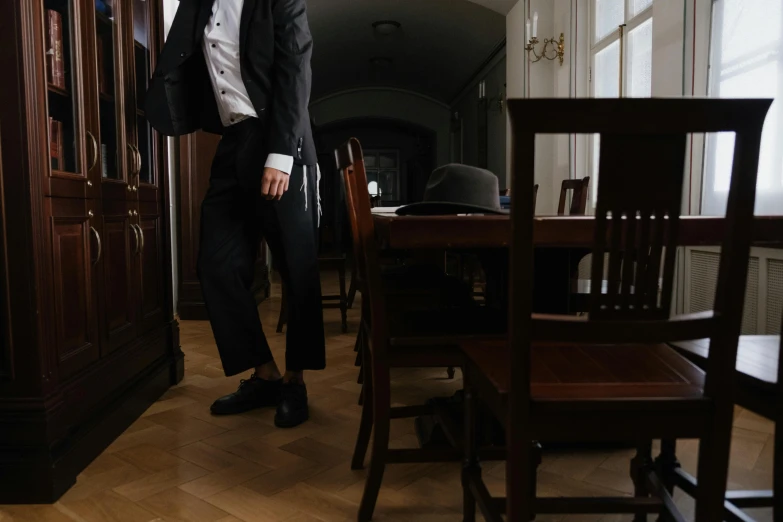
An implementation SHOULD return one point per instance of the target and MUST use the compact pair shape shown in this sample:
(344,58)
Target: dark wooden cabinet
(119,243)
(74,288)
(88,337)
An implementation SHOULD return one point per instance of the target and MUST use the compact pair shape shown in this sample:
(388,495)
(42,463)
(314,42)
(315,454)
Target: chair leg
(536,459)
(713,468)
(343,298)
(640,464)
(471,464)
(381,398)
(366,422)
(283,319)
(352,286)
(520,459)
(450,372)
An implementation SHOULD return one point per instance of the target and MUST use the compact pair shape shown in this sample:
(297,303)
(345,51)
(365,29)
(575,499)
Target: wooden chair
(759,378)
(397,337)
(610,376)
(579,189)
(326,262)
(469,266)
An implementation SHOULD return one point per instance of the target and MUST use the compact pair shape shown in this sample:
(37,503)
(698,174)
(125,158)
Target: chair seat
(570,372)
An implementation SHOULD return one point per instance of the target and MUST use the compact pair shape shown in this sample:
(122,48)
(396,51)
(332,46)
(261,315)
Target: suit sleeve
(291,77)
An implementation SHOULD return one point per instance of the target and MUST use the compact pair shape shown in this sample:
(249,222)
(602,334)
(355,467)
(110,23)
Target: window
(746,61)
(620,66)
(383,174)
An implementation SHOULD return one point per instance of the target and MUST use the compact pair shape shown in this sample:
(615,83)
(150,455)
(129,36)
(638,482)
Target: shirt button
(231,120)
(222,92)
(213,45)
(221,72)
(218,24)
(181,55)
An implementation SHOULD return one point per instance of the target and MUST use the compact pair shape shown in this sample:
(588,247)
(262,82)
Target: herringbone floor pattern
(178,463)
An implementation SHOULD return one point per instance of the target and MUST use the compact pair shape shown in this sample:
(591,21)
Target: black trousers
(234,218)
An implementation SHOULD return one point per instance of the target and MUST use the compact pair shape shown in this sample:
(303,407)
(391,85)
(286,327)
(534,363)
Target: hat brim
(445,208)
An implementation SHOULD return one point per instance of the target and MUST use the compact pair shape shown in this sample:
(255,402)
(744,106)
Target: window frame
(398,168)
(708,74)
(595,46)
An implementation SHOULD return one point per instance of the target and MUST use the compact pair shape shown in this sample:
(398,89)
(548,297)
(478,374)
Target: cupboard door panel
(120,245)
(151,295)
(72,235)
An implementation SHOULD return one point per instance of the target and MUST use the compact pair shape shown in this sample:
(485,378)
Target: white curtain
(746,62)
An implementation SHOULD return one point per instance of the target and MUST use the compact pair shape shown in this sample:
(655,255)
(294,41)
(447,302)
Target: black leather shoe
(292,408)
(253,393)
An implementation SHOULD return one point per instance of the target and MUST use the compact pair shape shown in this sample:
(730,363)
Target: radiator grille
(774,296)
(704,280)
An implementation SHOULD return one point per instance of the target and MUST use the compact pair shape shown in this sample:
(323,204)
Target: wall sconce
(558,46)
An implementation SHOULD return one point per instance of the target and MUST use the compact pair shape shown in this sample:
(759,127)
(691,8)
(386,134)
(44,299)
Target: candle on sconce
(527,29)
(535,24)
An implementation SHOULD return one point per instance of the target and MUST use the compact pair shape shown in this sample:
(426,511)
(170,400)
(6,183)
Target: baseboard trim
(40,476)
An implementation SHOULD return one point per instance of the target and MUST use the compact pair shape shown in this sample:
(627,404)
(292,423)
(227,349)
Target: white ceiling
(501,6)
(440,45)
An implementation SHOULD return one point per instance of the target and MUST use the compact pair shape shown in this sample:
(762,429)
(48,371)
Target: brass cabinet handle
(138,155)
(135,233)
(100,246)
(134,159)
(94,151)
(141,235)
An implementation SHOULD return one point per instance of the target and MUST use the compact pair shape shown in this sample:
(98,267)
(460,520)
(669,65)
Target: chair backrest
(639,227)
(350,161)
(578,198)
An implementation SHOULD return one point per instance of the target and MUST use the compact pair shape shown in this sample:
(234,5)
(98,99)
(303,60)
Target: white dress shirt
(221,50)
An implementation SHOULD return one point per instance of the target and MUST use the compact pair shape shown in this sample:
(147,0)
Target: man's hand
(274,183)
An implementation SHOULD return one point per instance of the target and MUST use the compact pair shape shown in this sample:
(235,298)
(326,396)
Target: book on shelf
(56,143)
(55,65)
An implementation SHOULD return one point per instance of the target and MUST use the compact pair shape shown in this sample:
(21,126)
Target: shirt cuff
(280,162)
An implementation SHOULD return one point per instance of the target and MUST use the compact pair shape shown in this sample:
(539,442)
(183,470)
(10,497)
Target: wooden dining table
(550,234)
(484,231)
(561,242)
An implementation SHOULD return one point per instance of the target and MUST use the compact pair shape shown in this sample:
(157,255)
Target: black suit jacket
(275,50)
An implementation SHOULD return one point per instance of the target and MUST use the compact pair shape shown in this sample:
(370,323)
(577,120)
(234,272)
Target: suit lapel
(247,14)
(205,11)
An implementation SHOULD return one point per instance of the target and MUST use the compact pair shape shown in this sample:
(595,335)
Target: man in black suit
(241,68)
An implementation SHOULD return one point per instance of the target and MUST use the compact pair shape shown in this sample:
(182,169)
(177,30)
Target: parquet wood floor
(178,463)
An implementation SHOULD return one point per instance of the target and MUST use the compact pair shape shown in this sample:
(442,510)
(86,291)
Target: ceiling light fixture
(386,27)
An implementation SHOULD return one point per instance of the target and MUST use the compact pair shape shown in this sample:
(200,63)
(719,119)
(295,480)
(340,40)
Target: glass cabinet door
(62,82)
(106,38)
(142,48)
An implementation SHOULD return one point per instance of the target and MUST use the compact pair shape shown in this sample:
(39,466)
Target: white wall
(544,79)
(388,103)
(562,157)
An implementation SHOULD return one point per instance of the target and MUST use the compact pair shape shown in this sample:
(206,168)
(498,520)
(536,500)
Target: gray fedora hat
(457,189)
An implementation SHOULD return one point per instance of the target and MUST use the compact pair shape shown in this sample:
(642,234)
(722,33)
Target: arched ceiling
(439,46)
